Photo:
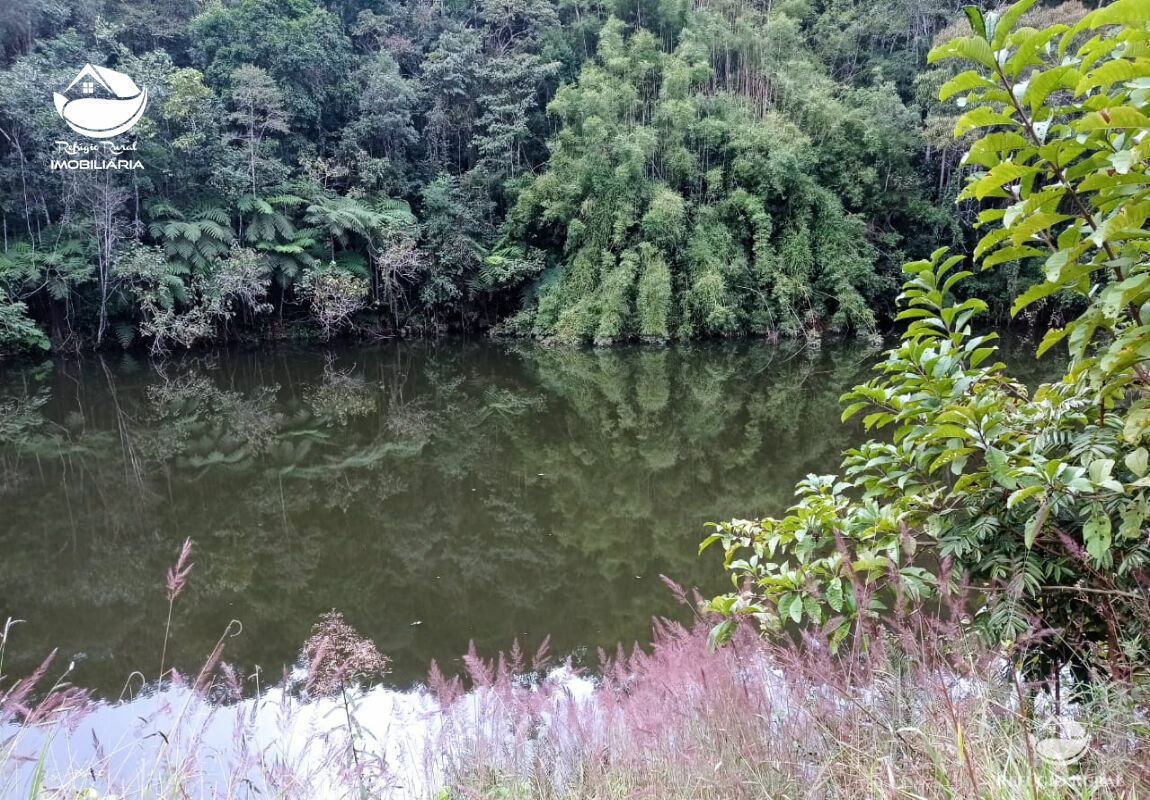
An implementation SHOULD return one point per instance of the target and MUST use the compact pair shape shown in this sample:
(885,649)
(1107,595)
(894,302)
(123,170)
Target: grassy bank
(928,712)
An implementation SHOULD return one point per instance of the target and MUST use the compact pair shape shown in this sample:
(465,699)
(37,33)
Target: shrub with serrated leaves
(1040,498)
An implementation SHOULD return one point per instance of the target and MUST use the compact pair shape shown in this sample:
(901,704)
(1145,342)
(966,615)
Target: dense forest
(564,169)
(934,584)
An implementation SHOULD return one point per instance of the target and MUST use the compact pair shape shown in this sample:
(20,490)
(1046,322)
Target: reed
(176,579)
(926,711)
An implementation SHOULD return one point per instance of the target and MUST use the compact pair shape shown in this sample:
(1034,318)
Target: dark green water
(434,493)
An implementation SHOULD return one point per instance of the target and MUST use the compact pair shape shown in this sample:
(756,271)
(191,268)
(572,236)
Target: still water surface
(435,493)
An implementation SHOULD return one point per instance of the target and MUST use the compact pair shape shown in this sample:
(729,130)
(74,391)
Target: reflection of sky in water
(231,750)
(408,745)
(124,740)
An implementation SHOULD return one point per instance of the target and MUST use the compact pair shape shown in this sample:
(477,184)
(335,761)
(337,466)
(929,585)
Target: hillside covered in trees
(566,169)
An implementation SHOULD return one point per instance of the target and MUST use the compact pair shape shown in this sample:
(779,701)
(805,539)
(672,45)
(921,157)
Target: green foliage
(17,332)
(344,219)
(192,244)
(297,44)
(176,309)
(546,167)
(334,295)
(757,247)
(1039,498)
(653,303)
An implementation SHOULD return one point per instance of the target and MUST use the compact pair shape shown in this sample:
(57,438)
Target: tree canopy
(574,171)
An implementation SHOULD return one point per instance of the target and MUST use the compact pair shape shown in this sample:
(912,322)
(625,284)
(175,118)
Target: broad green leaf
(1054,264)
(1042,84)
(1096,534)
(998,466)
(975,18)
(949,431)
(1136,461)
(1053,337)
(1034,225)
(1116,117)
(1100,469)
(1034,525)
(870,564)
(1111,72)
(982,117)
(853,409)
(1019,495)
(811,606)
(964,82)
(971,48)
(1033,294)
(993,181)
(1005,24)
(992,148)
(1130,526)
(835,594)
(1137,420)
(1130,13)
(796,609)
(720,634)
(1014,253)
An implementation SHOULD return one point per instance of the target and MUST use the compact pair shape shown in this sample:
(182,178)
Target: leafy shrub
(334,296)
(17,331)
(1040,499)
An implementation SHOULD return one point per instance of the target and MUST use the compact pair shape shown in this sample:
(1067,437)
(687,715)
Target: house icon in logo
(100,102)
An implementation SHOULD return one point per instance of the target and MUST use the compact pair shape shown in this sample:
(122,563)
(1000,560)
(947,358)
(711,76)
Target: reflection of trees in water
(487,491)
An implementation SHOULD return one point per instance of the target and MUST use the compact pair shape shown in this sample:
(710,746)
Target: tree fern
(194,242)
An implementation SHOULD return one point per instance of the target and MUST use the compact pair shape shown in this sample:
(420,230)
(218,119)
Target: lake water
(435,493)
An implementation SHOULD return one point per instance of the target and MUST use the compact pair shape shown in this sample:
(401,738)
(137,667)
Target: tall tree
(258,111)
